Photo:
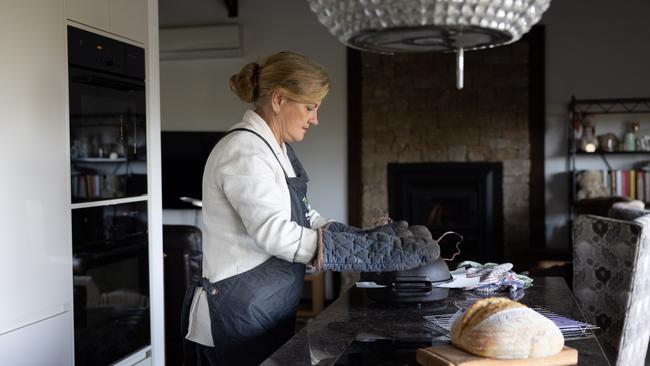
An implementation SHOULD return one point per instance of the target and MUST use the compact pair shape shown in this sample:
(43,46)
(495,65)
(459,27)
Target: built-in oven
(111,282)
(107,117)
(109,203)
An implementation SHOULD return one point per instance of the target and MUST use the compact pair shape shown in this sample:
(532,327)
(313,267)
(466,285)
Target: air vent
(214,41)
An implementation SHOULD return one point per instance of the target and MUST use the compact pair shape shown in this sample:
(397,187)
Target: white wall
(594,49)
(195,95)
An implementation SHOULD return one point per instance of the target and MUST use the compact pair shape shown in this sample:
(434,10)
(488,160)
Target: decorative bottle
(588,141)
(630,138)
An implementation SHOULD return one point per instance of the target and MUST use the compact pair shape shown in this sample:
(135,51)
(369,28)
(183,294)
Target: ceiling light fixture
(390,26)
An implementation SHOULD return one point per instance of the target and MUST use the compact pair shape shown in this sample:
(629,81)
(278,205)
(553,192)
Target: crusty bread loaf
(498,327)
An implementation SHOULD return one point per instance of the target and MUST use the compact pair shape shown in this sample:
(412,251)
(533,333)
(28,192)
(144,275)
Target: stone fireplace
(410,112)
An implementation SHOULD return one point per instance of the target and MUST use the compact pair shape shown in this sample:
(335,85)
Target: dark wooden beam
(355,188)
(536,131)
(355,102)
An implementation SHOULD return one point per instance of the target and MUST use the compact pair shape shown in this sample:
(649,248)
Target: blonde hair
(298,77)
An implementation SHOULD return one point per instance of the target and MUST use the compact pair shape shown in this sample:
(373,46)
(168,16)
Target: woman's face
(296,118)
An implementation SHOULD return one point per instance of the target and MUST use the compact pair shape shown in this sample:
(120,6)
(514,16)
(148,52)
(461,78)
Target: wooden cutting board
(450,355)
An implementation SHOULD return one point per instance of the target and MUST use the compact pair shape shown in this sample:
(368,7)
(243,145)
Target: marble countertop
(355,316)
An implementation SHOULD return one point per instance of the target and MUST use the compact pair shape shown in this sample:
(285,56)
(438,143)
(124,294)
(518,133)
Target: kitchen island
(356,330)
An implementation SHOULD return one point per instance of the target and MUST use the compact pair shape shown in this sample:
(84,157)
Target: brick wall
(412,112)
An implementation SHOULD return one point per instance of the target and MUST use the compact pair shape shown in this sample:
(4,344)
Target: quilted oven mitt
(391,247)
(337,227)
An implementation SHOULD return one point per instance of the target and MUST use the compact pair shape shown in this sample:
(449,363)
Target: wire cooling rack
(570,328)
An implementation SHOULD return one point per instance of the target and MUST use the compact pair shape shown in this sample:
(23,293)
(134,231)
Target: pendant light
(390,26)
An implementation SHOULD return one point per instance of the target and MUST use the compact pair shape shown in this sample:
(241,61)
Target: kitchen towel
(495,277)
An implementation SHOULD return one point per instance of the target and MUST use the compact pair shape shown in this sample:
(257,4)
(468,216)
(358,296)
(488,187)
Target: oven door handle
(108,82)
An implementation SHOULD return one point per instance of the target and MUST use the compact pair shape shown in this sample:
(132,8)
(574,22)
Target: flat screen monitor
(183,159)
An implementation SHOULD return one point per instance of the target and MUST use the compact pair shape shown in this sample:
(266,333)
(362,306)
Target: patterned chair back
(611,282)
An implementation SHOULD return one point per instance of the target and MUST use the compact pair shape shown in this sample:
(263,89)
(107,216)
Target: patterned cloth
(611,281)
(495,277)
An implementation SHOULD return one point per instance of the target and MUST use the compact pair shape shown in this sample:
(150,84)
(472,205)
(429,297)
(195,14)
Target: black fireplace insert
(463,197)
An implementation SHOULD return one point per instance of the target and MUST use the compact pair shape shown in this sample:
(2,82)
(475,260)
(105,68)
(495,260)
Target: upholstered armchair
(611,280)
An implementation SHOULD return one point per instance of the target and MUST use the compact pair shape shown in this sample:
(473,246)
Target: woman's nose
(314,119)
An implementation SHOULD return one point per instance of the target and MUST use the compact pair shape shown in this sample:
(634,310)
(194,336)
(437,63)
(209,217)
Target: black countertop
(334,337)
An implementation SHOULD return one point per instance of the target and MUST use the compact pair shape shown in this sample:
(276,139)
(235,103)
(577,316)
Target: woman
(259,228)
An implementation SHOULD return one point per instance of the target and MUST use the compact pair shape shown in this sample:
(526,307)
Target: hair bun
(244,84)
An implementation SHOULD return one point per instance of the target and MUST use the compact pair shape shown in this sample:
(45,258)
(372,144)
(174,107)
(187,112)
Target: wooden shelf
(317,303)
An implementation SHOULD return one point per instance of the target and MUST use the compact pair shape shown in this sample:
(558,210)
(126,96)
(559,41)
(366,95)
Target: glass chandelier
(389,26)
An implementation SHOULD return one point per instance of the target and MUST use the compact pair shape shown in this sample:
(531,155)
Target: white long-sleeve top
(247,213)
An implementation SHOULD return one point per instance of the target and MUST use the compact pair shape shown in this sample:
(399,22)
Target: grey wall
(594,49)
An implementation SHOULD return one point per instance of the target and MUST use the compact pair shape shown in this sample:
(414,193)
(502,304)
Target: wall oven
(109,204)
(107,117)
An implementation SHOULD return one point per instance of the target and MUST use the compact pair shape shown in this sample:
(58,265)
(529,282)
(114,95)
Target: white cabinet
(35,236)
(36,280)
(47,342)
(93,13)
(126,18)
(145,362)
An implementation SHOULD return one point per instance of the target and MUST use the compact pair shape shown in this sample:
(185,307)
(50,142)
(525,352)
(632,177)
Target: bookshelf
(624,169)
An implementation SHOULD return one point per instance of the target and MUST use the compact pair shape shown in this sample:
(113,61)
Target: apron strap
(295,163)
(207,286)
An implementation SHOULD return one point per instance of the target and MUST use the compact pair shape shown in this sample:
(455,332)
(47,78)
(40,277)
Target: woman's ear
(276,101)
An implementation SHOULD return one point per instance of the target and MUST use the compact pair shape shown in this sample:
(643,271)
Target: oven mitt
(337,227)
(375,250)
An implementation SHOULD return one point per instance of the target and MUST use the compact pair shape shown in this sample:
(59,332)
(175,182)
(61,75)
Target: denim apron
(253,313)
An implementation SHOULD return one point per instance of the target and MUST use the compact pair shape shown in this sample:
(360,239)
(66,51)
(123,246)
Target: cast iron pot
(413,285)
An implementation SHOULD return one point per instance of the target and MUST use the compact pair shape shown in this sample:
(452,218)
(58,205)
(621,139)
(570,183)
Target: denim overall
(253,313)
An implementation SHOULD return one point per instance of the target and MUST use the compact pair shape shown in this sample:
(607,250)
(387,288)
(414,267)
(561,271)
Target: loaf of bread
(498,327)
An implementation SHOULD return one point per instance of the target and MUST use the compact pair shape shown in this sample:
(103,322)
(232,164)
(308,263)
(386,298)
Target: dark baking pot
(413,285)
